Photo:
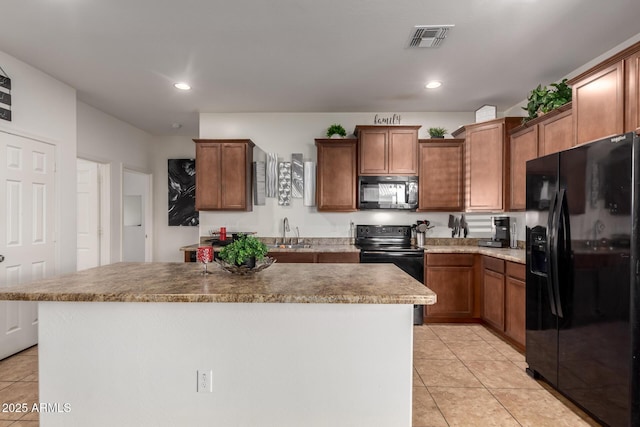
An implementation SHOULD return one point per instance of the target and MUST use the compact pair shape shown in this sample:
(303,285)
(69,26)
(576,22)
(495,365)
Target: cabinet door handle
(1,258)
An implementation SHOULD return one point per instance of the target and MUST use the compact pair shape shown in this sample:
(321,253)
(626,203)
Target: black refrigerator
(582,304)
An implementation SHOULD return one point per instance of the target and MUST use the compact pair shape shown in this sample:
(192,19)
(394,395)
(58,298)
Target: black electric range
(392,244)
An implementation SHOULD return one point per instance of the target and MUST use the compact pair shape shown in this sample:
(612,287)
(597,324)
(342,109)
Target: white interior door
(88,218)
(27,176)
(136,216)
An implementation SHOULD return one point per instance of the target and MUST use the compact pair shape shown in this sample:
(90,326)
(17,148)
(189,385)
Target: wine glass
(205,256)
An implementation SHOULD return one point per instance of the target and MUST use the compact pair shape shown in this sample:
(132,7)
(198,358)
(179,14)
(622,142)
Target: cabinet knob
(1,258)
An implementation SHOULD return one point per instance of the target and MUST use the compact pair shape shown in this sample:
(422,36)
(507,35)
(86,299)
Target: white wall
(45,109)
(517,110)
(286,133)
(167,240)
(105,139)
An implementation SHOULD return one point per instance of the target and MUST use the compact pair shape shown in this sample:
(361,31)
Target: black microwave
(388,192)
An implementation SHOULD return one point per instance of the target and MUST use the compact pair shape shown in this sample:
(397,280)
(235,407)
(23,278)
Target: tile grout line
(478,379)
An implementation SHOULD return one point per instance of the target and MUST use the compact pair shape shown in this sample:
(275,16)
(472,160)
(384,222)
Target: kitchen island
(296,344)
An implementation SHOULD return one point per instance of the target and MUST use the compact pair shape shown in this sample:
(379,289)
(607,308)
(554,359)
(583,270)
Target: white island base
(135,364)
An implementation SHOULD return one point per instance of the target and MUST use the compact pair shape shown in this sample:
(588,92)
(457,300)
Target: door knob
(1,258)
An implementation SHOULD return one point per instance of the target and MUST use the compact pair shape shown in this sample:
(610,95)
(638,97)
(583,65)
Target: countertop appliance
(500,229)
(388,192)
(582,294)
(392,244)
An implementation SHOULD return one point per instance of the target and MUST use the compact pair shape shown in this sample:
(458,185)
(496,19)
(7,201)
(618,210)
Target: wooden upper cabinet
(555,133)
(524,147)
(223,174)
(403,151)
(632,90)
(336,175)
(387,150)
(606,98)
(598,102)
(441,181)
(543,135)
(486,155)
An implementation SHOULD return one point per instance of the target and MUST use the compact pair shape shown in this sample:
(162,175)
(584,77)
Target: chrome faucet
(285,228)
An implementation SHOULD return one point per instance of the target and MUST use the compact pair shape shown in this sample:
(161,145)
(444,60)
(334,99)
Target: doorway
(137,222)
(93,206)
(27,226)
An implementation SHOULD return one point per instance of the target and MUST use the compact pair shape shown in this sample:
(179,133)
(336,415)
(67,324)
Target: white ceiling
(123,56)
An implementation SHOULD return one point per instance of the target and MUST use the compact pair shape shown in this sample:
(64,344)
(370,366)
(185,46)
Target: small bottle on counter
(223,233)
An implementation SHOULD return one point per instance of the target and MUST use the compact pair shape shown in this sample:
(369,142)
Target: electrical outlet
(205,381)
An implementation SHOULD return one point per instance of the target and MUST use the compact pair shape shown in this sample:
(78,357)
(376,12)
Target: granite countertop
(184,282)
(507,254)
(311,248)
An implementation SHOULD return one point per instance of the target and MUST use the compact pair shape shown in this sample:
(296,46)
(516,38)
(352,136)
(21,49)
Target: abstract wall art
(182,192)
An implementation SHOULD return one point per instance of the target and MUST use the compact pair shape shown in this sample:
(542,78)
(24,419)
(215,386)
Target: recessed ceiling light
(182,86)
(433,85)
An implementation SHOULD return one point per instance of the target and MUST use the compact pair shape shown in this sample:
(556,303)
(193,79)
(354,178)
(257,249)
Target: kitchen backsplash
(267,221)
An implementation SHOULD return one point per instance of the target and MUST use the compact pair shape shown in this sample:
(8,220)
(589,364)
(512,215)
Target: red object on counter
(205,254)
(223,233)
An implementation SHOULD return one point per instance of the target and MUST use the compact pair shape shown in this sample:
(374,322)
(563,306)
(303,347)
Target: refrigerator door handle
(551,266)
(561,219)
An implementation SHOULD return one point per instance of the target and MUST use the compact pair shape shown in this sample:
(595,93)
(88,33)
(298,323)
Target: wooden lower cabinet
(515,303)
(453,278)
(503,298)
(293,257)
(338,257)
(316,257)
(493,292)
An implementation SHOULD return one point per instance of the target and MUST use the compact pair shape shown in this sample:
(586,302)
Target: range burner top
(388,238)
(389,248)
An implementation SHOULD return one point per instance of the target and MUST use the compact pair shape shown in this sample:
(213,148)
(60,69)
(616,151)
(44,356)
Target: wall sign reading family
(5,96)
(387,120)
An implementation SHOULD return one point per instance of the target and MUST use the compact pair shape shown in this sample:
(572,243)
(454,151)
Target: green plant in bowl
(437,132)
(244,250)
(336,129)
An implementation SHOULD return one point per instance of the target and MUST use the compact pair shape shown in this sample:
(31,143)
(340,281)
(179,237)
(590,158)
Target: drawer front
(516,270)
(339,257)
(461,260)
(494,264)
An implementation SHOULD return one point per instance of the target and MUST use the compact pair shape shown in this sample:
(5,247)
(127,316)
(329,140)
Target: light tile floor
(19,385)
(464,375)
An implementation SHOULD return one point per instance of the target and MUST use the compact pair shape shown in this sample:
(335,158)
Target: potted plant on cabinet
(245,250)
(541,100)
(437,132)
(336,131)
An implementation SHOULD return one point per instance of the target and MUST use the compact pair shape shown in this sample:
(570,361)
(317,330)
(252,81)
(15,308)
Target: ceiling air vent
(428,35)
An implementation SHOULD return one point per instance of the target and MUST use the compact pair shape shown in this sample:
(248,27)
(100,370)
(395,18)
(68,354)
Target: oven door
(411,262)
